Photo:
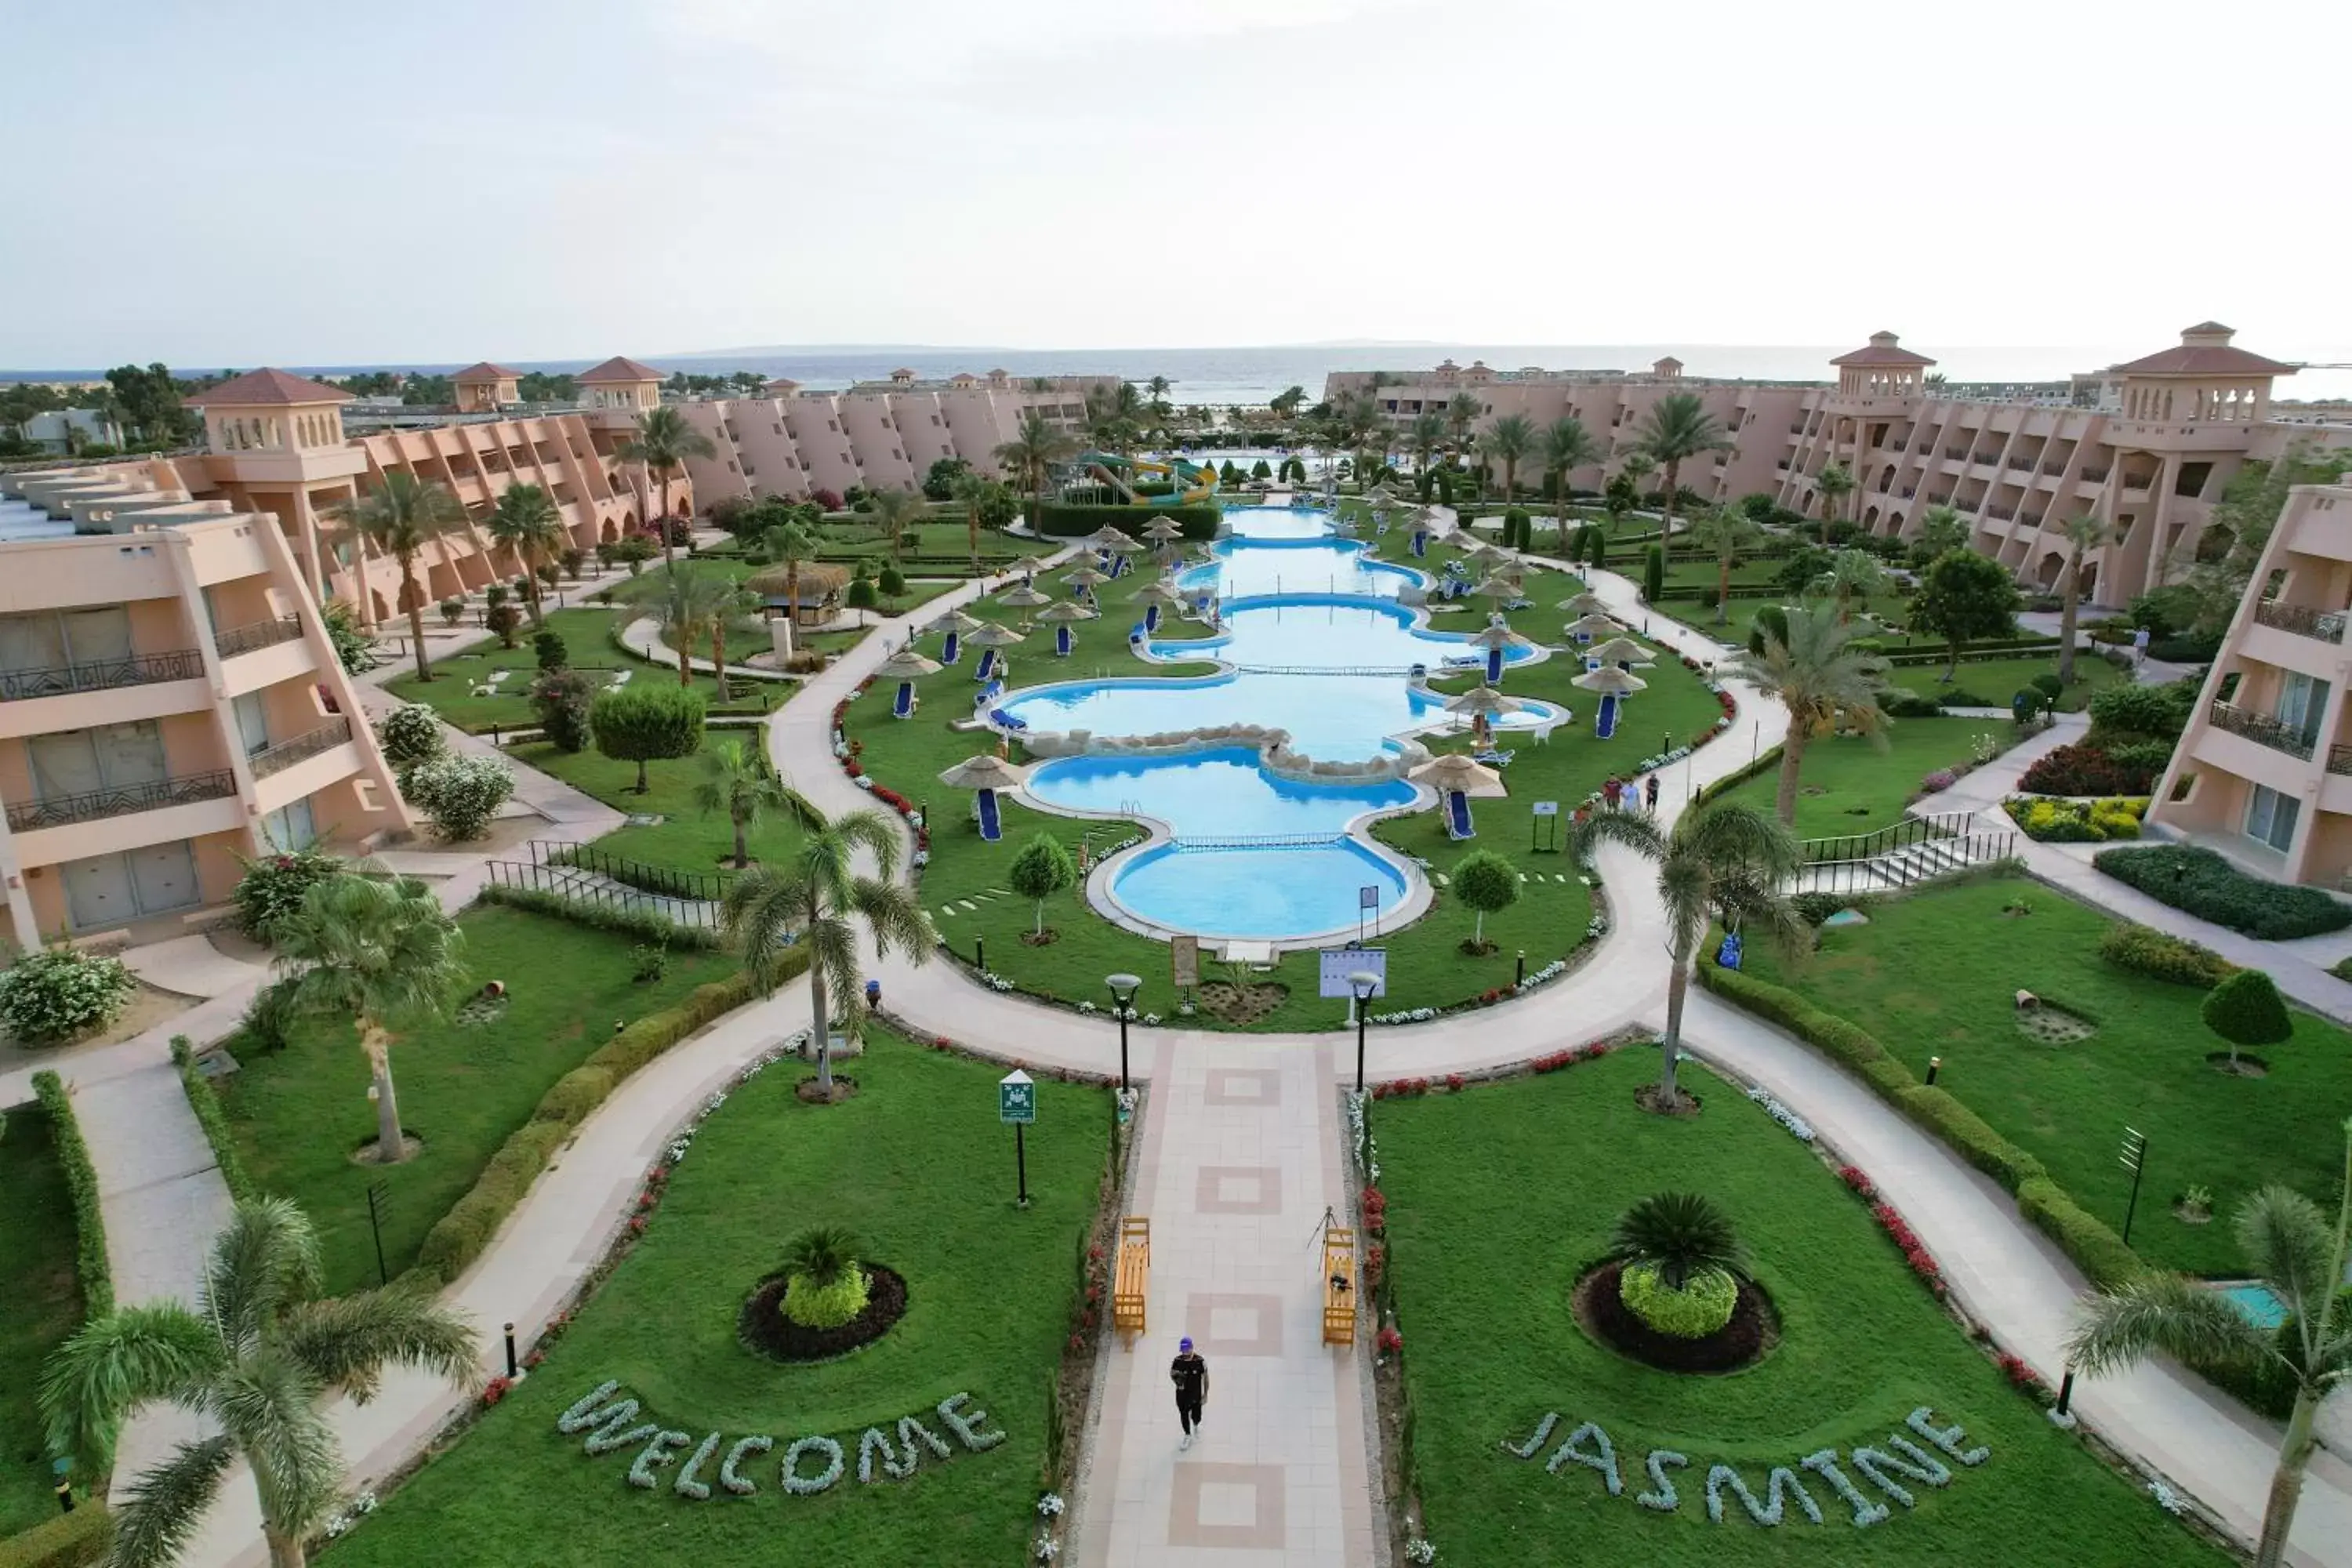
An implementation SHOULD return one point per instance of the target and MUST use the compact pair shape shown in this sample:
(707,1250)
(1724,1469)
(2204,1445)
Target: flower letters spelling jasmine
(1894,1468)
(810,1464)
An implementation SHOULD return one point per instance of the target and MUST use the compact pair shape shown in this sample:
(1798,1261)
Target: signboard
(1185,963)
(1017,1097)
(1339,962)
(1368,897)
(1546,808)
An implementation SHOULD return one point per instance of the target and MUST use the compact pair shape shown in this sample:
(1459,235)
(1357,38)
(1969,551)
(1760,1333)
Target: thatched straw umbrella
(904,667)
(1584,628)
(1024,597)
(987,775)
(1482,701)
(1617,650)
(1085,577)
(1587,602)
(1164,528)
(1061,615)
(1155,594)
(1453,771)
(1614,686)
(988,638)
(1498,639)
(1113,540)
(955,622)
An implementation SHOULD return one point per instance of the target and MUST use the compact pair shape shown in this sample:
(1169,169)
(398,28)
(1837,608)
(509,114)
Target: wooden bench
(1132,1281)
(1338,1286)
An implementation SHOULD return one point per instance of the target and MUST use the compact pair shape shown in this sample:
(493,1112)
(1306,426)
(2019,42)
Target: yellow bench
(1338,1286)
(1131,1279)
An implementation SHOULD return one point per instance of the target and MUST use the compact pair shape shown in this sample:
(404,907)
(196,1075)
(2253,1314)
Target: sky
(248,181)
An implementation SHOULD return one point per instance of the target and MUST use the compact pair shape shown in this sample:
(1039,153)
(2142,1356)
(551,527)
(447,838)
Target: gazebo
(987,775)
(1614,686)
(1061,615)
(810,592)
(905,667)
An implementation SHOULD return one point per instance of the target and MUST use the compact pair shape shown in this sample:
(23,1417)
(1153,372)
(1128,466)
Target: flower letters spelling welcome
(1889,1467)
(810,1464)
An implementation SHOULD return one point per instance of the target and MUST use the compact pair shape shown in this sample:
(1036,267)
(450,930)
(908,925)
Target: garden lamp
(1363,982)
(1123,987)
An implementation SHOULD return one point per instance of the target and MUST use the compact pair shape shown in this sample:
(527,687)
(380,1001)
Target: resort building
(2147,445)
(2263,773)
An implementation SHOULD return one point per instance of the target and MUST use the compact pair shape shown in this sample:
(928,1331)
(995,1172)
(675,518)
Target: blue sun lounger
(1457,816)
(903,705)
(987,664)
(1003,721)
(992,824)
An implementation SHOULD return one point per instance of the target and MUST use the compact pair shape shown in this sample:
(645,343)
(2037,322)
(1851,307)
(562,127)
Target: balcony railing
(2328,625)
(102,675)
(2339,759)
(309,743)
(260,634)
(2262,729)
(61,811)
(2095,476)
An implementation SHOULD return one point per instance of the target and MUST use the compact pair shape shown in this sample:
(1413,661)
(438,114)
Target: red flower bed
(1391,1341)
(496,1390)
(2084,769)
(1855,1177)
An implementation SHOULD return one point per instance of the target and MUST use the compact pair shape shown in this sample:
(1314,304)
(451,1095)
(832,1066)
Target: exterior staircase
(1915,850)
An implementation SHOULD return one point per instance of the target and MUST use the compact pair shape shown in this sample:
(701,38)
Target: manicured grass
(1851,785)
(1997,679)
(919,1168)
(1937,974)
(842,539)
(41,1306)
(1500,1197)
(586,632)
(687,840)
(299,1114)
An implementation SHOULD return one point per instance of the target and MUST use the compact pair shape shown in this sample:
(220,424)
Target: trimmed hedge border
(206,1104)
(2201,883)
(458,1236)
(1767,762)
(69,1540)
(638,923)
(91,1266)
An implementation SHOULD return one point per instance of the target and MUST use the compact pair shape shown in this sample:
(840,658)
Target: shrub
(2149,757)
(270,1014)
(460,795)
(2128,709)
(2084,769)
(646,723)
(61,993)
(1486,884)
(891,580)
(452,611)
(410,734)
(560,699)
(1968,1134)
(273,888)
(1681,1236)
(2097,1250)
(2247,1010)
(2160,955)
(503,621)
(824,1286)
(2049,684)
(1653,573)
(91,1270)
(2076,822)
(69,1540)
(206,1106)
(551,650)
(641,923)
(2206,886)
(1701,1307)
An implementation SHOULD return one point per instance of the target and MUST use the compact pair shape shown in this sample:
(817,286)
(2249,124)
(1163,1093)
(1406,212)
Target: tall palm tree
(2285,1239)
(1678,426)
(399,518)
(973,490)
(892,511)
(1115,416)
(1566,446)
(1424,436)
(382,953)
(1822,681)
(253,1362)
(663,443)
(1942,530)
(1835,482)
(692,602)
(1725,531)
(1510,438)
(1157,386)
(1851,572)
(819,901)
(1285,404)
(1033,452)
(527,522)
(1461,411)
(2083,534)
(737,779)
(1723,862)
(791,546)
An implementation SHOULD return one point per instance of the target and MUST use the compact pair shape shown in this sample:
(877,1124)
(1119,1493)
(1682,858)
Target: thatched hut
(821,587)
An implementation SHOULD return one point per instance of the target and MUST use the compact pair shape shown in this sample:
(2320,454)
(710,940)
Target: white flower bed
(1419,1550)
(1367,1148)
(995,981)
(1051,1505)
(1797,1125)
(343,1519)
(793,1045)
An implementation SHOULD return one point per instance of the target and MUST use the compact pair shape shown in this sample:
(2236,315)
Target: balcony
(2095,476)
(309,743)
(102,675)
(63,811)
(2261,729)
(258,635)
(2328,625)
(2339,759)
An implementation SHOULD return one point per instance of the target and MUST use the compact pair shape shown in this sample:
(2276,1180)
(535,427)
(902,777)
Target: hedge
(459,1236)
(69,1540)
(2097,1249)
(1765,761)
(2160,955)
(2206,886)
(1059,522)
(213,1120)
(90,1268)
(642,924)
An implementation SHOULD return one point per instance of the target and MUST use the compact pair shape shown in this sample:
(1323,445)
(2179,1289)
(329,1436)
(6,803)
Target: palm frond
(764,910)
(870,830)
(347,1343)
(895,914)
(269,1407)
(2286,1241)
(113,1365)
(159,1515)
(1637,832)
(2163,1312)
(263,1262)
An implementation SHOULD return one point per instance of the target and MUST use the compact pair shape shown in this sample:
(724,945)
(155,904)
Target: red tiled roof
(620,367)
(486,371)
(267,389)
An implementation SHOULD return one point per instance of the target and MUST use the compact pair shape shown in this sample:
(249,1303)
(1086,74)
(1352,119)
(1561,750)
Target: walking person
(1611,790)
(1190,1373)
(1650,793)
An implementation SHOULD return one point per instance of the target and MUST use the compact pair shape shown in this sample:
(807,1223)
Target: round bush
(816,1305)
(458,795)
(1693,1312)
(410,735)
(61,993)
(273,886)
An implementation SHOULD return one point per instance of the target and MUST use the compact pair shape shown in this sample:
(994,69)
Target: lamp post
(1363,982)
(1123,988)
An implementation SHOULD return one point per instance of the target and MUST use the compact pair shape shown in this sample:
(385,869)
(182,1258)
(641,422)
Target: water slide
(1194,483)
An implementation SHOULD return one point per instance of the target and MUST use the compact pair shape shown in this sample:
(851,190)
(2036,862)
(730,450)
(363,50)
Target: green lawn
(1937,974)
(1425,965)
(298,1114)
(917,1167)
(1997,679)
(686,839)
(1481,1289)
(586,633)
(1851,785)
(844,539)
(41,1306)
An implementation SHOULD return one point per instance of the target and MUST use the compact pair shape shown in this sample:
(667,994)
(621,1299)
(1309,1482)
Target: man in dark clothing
(1649,791)
(1190,1373)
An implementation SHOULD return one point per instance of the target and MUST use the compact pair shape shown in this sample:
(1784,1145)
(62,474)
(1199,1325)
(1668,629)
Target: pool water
(1223,794)
(2258,1304)
(1258,893)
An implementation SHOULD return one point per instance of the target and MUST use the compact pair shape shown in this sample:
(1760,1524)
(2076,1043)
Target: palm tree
(1283,405)
(1510,438)
(1942,530)
(663,443)
(973,490)
(693,604)
(1851,572)
(382,953)
(1679,427)
(1461,411)
(817,900)
(1033,453)
(1424,436)
(790,545)
(527,522)
(1835,482)
(1567,445)
(1157,386)
(1727,530)
(892,511)
(2083,534)
(1678,1236)
(737,779)
(1818,678)
(399,518)
(1114,414)
(253,1363)
(2284,1238)
(1723,862)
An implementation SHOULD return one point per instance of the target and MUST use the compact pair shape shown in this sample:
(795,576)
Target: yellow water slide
(1203,480)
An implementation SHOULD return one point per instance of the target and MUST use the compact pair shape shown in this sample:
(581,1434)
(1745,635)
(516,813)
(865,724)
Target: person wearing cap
(1190,1373)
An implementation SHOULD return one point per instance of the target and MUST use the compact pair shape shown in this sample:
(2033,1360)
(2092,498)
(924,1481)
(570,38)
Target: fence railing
(2339,759)
(666,882)
(1918,850)
(2303,620)
(102,675)
(309,743)
(1262,841)
(1885,840)
(60,811)
(2262,729)
(258,635)
(573,884)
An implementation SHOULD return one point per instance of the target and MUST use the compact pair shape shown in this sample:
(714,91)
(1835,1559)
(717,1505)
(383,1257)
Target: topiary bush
(458,795)
(273,886)
(550,649)
(2160,955)
(2247,1010)
(652,722)
(561,699)
(410,734)
(61,994)
(1701,1307)
(2206,886)
(824,1288)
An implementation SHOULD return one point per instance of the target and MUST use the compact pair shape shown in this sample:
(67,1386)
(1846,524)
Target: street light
(1363,982)
(1123,988)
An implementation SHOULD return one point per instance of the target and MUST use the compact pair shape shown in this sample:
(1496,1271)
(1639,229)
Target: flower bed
(2060,821)
(2083,769)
